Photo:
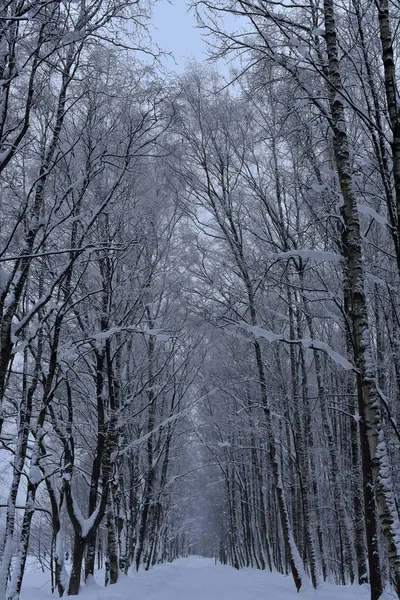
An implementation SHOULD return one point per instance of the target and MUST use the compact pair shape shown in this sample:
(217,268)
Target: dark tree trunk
(77,562)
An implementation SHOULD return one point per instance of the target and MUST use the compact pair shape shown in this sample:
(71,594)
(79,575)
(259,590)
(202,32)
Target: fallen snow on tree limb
(318,255)
(367,210)
(85,524)
(338,358)
(259,332)
(270,336)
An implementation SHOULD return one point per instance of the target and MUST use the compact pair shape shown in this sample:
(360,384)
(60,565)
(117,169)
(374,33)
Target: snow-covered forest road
(197,578)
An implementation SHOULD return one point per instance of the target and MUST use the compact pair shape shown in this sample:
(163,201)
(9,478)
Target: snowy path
(199,579)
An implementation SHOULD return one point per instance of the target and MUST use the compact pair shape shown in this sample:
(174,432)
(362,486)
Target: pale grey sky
(174,29)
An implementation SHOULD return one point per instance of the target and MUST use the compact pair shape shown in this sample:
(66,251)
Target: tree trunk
(375,457)
(77,562)
(111,575)
(296,564)
(392,100)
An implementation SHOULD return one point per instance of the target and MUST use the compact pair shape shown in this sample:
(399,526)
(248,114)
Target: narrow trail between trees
(197,578)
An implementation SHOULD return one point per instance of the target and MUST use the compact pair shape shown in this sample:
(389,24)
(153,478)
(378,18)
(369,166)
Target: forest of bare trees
(199,292)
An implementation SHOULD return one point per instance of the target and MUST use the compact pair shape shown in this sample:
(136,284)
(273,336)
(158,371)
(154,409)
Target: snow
(338,358)
(293,41)
(367,210)
(160,337)
(301,103)
(270,336)
(303,50)
(85,524)
(19,347)
(104,335)
(4,278)
(73,36)
(259,332)
(389,137)
(4,155)
(35,475)
(319,255)
(196,578)
(316,187)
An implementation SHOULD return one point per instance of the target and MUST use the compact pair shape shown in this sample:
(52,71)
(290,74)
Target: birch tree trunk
(294,559)
(369,399)
(301,440)
(392,98)
(111,565)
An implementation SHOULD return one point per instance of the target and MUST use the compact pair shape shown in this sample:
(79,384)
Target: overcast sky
(175,30)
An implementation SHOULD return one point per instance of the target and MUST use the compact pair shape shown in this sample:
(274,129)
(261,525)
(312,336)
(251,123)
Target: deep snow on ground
(197,578)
